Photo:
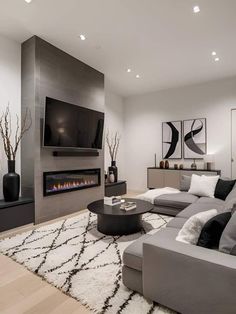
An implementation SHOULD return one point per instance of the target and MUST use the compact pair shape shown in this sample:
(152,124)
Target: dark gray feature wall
(48,71)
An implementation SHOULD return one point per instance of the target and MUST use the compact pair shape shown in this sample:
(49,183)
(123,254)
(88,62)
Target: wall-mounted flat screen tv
(72,126)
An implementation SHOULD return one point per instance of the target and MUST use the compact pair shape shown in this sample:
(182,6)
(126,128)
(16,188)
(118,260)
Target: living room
(118,152)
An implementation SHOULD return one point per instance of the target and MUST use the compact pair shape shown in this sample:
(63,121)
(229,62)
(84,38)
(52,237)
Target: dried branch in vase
(113,143)
(11,142)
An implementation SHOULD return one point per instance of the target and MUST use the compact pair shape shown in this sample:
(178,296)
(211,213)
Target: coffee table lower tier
(119,225)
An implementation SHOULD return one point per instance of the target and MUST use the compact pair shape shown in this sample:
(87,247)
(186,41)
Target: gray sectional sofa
(172,204)
(186,278)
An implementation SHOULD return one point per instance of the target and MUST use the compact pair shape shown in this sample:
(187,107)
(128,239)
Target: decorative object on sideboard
(171,140)
(167,165)
(113,143)
(195,139)
(111,176)
(176,166)
(105,177)
(162,164)
(155,160)
(194,165)
(181,166)
(209,160)
(11,180)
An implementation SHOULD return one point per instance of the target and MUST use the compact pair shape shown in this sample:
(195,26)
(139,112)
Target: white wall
(114,121)
(10,91)
(143,124)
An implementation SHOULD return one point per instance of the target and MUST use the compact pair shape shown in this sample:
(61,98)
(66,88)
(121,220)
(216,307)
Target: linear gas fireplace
(67,181)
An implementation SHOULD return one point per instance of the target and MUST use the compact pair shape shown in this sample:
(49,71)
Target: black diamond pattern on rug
(85,264)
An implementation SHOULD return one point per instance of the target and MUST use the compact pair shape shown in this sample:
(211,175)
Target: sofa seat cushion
(211,201)
(133,254)
(200,207)
(165,234)
(164,210)
(177,222)
(179,201)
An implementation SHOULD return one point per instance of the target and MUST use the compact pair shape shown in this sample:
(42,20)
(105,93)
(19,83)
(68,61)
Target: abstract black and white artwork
(172,140)
(195,142)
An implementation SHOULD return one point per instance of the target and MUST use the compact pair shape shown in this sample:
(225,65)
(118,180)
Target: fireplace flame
(71,185)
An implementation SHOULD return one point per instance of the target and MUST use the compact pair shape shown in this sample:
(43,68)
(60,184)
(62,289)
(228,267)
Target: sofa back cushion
(223,188)
(192,228)
(230,200)
(203,185)
(233,251)
(185,182)
(212,231)
(228,238)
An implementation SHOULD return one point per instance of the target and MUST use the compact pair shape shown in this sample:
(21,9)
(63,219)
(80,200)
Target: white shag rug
(85,264)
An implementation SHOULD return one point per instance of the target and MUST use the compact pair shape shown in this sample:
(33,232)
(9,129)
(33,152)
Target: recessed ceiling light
(217,59)
(28,1)
(128,70)
(137,76)
(196,9)
(213,53)
(82,37)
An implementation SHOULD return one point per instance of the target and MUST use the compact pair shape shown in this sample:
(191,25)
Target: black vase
(114,169)
(11,183)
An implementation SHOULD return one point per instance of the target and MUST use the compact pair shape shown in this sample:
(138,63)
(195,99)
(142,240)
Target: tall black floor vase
(11,183)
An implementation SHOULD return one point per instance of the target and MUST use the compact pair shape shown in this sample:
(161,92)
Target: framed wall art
(194,138)
(172,140)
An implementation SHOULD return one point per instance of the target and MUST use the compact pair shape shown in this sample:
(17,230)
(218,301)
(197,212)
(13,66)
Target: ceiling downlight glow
(137,76)
(213,53)
(196,9)
(217,59)
(128,70)
(82,37)
(28,1)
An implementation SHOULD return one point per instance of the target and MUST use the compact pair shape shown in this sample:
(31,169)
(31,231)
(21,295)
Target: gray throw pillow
(185,182)
(228,238)
(230,200)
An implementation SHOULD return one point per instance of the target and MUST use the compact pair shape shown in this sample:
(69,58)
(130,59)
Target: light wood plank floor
(22,292)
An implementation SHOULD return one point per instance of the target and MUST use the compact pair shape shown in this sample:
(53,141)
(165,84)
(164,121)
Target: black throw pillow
(223,188)
(212,230)
(233,251)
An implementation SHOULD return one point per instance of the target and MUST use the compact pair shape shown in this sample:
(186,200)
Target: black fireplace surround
(56,182)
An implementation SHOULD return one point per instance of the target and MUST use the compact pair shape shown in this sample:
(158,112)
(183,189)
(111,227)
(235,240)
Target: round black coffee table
(112,220)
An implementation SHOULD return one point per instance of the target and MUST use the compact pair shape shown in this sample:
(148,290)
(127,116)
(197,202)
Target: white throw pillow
(192,228)
(203,185)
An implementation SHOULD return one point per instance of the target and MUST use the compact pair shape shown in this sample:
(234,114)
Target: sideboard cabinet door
(172,178)
(155,178)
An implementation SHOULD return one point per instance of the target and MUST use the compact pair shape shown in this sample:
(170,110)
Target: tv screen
(72,126)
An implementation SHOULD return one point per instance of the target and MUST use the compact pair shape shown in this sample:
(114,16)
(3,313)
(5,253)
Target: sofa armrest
(187,278)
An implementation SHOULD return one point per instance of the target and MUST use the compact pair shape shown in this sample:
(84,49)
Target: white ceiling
(162,40)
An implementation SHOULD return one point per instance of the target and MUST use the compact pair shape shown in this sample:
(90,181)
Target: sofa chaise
(186,278)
